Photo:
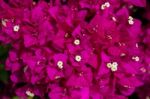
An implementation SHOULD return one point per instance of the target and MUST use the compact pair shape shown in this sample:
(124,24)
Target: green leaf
(1,66)
(30,98)
(15,97)
(4,52)
(4,76)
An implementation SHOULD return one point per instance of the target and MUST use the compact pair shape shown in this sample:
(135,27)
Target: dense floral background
(75,49)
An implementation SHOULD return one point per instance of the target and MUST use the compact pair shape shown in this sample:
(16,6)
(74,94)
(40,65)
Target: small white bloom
(60,64)
(29,93)
(77,42)
(122,54)
(16,28)
(114,19)
(130,20)
(4,22)
(102,7)
(115,64)
(114,68)
(105,5)
(137,45)
(78,58)
(136,58)
(109,65)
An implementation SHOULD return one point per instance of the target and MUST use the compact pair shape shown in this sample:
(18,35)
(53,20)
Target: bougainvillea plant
(75,49)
